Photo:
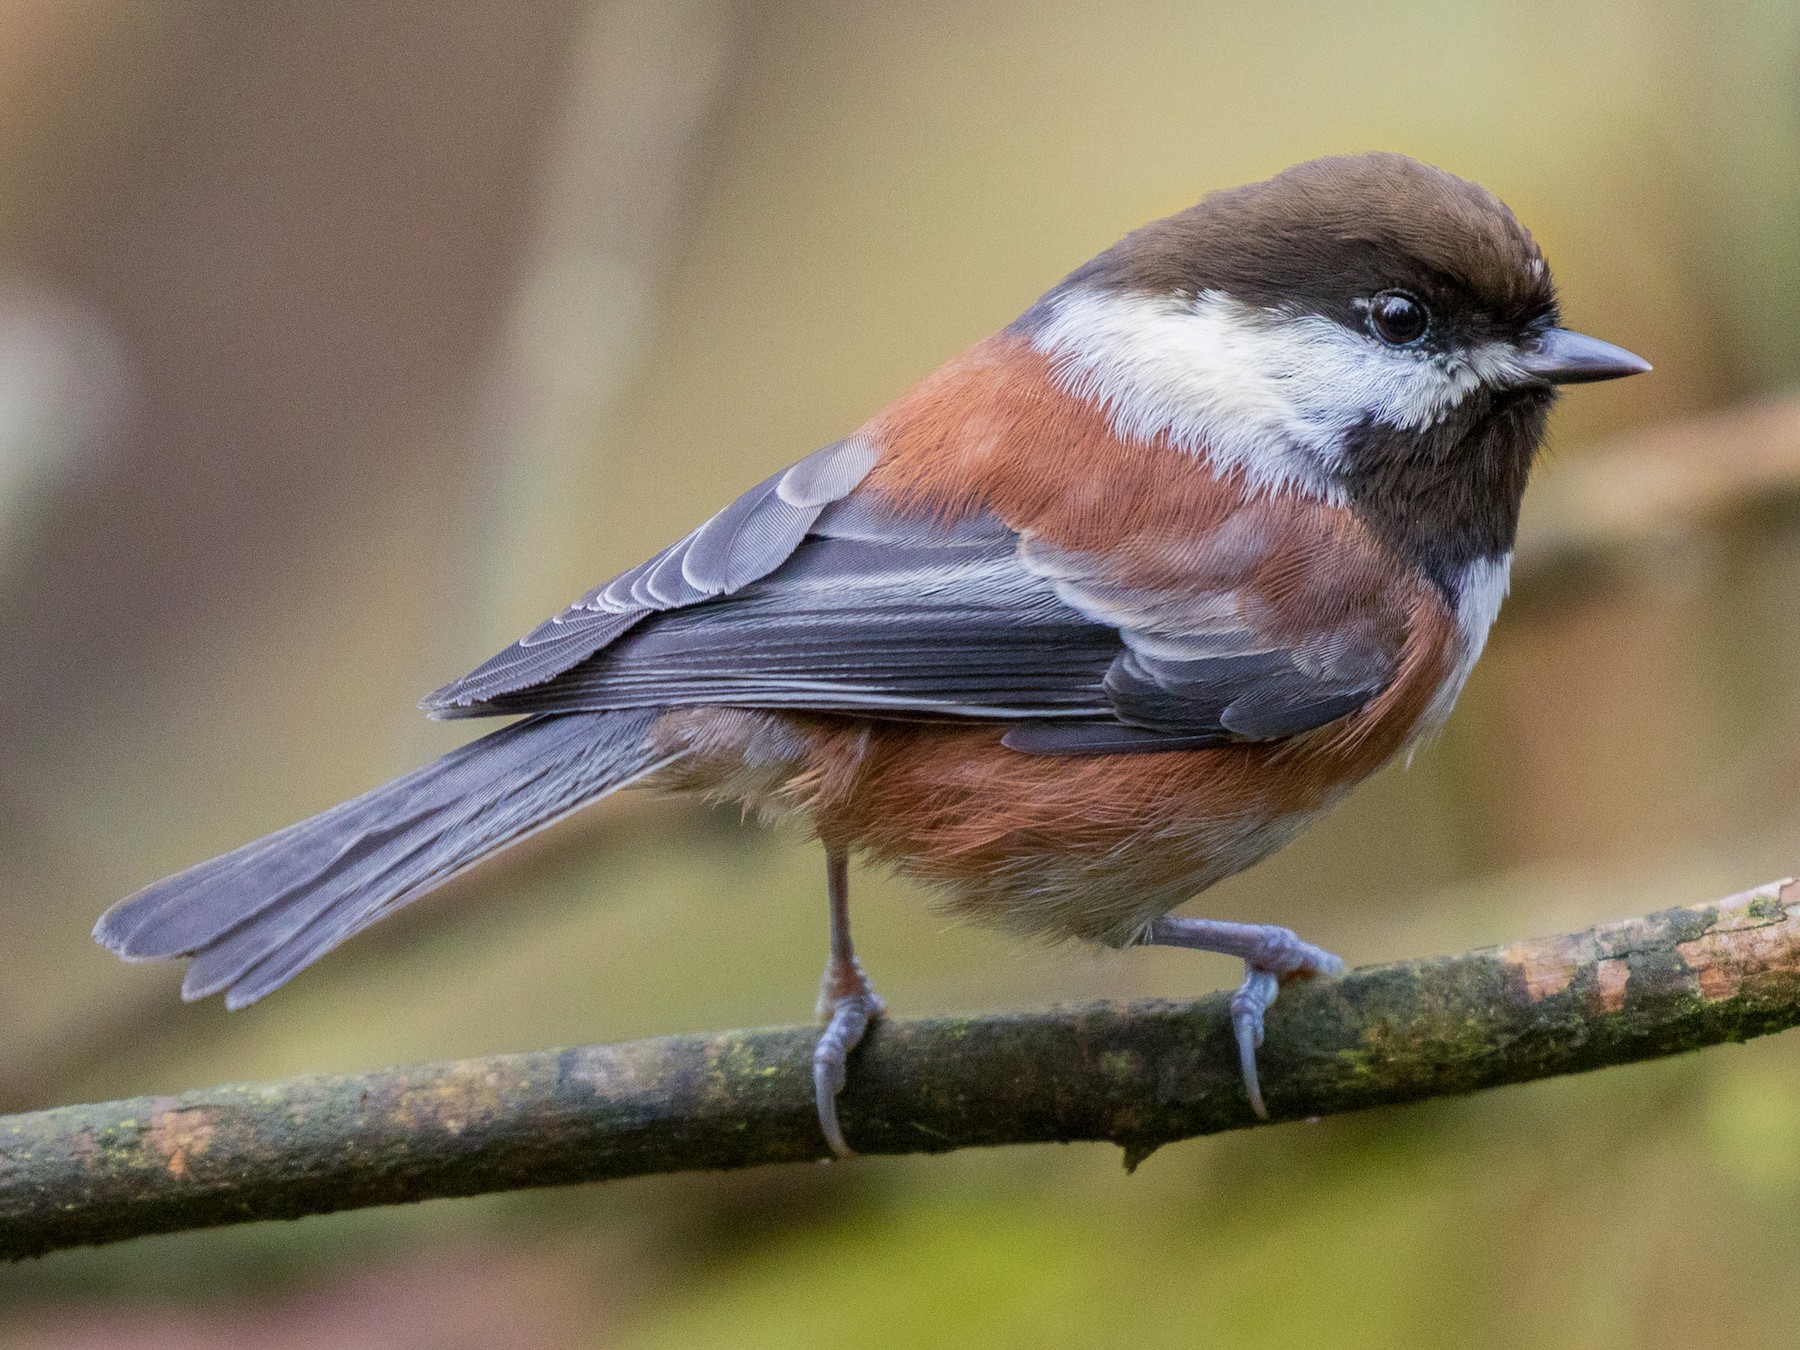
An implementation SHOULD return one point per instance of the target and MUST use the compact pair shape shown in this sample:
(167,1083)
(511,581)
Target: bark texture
(1136,1074)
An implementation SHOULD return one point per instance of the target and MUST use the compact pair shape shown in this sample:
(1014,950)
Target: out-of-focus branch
(1139,1075)
(1596,510)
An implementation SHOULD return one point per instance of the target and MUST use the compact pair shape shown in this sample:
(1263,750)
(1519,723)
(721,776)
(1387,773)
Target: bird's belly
(1090,847)
(1105,894)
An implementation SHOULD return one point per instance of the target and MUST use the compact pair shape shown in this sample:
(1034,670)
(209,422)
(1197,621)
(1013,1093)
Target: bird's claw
(848,1016)
(1252,999)
(1280,956)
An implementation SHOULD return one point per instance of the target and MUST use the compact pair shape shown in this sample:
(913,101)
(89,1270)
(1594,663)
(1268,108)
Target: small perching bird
(1105,610)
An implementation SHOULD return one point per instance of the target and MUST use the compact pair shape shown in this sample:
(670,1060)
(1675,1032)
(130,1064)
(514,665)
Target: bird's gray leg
(847,1004)
(1271,955)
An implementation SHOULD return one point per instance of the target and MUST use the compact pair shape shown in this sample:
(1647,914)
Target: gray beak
(1558,356)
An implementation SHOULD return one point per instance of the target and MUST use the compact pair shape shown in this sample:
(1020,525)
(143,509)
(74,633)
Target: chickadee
(1105,610)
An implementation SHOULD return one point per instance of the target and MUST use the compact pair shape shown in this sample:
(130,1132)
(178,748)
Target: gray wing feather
(748,539)
(743,543)
(856,623)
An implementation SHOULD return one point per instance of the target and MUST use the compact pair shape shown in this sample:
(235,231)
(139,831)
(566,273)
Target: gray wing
(744,542)
(871,614)
(888,616)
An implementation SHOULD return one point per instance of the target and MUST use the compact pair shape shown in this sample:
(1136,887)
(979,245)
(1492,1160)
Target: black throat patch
(1448,495)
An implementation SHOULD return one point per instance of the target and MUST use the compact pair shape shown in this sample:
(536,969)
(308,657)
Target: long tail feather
(254,918)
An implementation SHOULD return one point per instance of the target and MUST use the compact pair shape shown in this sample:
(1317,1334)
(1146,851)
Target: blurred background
(341,343)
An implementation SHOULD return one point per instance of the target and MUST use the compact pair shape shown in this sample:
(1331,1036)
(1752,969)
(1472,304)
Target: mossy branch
(1137,1074)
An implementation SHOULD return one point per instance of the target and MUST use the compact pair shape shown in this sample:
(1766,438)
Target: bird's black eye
(1397,318)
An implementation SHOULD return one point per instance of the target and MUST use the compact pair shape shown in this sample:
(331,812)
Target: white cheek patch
(1268,393)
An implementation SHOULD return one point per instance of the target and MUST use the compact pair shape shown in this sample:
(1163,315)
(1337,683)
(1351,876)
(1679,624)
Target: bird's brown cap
(1326,233)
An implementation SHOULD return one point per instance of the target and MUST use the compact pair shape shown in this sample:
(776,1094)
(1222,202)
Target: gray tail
(254,918)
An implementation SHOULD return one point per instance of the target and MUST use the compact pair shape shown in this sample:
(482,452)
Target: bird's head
(1366,329)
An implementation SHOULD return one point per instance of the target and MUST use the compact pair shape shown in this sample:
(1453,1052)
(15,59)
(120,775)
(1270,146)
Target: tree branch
(1139,1075)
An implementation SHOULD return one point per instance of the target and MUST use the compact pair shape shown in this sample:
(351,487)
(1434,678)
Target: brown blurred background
(339,343)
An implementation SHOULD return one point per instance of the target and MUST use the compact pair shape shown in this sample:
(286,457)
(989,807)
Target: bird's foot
(1283,957)
(1272,956)
(847,1004)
